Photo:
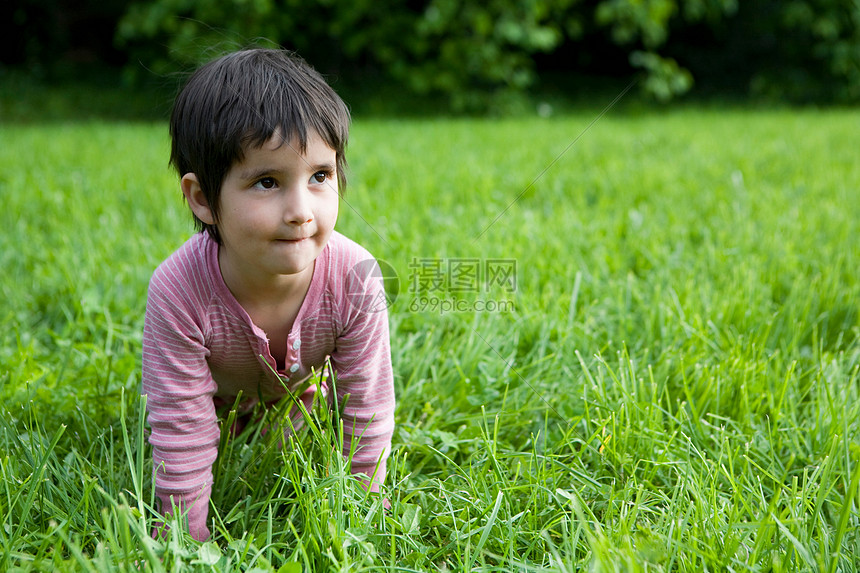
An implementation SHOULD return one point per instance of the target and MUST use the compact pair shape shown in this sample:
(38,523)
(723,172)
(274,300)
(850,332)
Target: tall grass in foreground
(676,388)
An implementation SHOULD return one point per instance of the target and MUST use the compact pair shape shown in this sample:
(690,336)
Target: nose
(298,209)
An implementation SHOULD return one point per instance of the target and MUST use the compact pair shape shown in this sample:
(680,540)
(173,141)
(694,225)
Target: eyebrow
(325,166)
(254,174)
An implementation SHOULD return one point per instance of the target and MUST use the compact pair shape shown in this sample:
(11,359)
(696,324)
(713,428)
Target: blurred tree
(821,39)
(475,54)
(465,50)
(646,25)
(56,38)
(472,52)
(469,50)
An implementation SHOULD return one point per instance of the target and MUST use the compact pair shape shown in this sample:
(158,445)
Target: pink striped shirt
(200,344)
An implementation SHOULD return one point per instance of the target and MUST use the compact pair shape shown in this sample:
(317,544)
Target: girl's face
(278,208)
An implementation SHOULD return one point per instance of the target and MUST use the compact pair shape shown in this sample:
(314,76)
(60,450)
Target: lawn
(638,349)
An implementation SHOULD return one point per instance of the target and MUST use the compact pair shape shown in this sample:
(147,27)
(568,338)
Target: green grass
(676,389)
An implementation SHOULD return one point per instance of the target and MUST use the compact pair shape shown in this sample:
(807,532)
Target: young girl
(258,140)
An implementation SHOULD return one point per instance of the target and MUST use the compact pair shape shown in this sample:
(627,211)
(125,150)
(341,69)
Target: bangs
(277,103)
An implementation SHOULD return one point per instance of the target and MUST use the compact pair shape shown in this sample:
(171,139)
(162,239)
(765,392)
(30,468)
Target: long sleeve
(179,389)
(362,364)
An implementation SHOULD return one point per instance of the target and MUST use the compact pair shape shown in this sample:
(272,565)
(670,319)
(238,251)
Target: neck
(258,291)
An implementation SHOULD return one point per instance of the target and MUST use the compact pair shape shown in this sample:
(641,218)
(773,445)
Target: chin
(294,267)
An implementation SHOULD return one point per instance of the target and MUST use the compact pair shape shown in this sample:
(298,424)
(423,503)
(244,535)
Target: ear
(196,198)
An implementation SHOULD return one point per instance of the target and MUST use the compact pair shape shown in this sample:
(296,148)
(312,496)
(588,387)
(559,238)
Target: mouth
(296,240)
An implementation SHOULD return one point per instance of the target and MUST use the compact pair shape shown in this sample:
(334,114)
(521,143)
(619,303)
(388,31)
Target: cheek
(328,210)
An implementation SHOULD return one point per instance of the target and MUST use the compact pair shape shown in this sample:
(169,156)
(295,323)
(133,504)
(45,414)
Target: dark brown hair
(239,101)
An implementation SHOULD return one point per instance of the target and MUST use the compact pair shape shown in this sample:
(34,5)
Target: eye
(320,176)
(266,183)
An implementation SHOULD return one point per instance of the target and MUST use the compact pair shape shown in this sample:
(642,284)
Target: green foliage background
(472,51)
(474,56)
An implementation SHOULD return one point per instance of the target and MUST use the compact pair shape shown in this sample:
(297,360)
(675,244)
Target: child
(258,140)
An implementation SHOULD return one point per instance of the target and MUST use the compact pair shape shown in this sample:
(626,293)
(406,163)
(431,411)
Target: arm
(362,363)
(179,389)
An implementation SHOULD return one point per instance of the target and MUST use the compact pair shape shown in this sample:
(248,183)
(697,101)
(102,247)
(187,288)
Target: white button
(294,367)
(296,344)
